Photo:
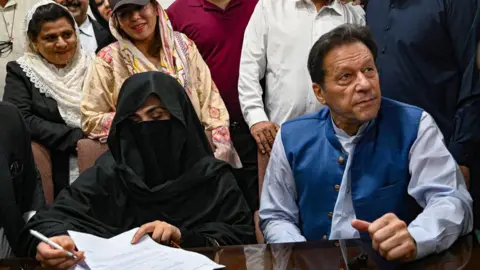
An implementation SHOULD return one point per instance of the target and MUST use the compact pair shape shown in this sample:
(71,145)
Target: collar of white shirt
(335,5)
(10,3)
(341,133)
(86,28)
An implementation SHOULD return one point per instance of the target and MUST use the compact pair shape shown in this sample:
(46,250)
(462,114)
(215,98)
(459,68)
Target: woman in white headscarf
(46,85)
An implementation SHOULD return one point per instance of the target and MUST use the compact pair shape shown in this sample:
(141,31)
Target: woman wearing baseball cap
(147,42)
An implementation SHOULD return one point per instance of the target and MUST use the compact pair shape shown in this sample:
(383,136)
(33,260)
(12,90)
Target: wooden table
(464,254)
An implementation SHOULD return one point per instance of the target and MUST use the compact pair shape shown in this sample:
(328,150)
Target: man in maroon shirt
(217,28)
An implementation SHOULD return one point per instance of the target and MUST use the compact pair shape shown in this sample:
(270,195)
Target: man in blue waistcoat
(364,165)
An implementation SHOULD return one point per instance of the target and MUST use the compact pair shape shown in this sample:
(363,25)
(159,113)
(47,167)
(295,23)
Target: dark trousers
(247,177)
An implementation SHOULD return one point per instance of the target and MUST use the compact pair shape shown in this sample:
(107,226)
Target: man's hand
(390,237)
(162,232)
(264,134)
(58,259)
(466,174)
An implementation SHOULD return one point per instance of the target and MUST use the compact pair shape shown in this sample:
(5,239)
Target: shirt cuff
(28,215)
(462,153)
(425,244)
(255,116)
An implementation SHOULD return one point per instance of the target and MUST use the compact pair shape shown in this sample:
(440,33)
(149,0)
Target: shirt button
(324,237)
(383,50)
(330,214)
(340,160)
(387,28)
(336,187)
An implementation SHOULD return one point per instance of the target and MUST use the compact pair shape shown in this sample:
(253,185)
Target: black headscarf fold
(98,17)
(115,195)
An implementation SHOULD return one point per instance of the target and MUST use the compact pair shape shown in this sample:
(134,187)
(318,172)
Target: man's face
(78,8)
(352,89)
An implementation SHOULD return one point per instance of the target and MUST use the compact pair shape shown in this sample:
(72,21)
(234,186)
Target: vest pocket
(388,199)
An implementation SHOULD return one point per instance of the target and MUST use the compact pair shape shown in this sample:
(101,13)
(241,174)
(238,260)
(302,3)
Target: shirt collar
(200,3)
(341,133)
(86,28)
(10,3)
(335,5)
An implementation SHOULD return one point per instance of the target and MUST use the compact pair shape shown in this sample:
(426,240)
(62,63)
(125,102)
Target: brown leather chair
(262,167)
(44,166)
(88,152)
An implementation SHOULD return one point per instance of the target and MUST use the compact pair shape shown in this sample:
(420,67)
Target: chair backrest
(44,166)
(88,152)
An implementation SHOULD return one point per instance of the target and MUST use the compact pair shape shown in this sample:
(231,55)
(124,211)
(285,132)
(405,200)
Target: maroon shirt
(218,35)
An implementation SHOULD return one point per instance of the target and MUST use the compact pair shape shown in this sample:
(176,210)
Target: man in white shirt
(276,45)
(12,15)
(364,166)
(92,34)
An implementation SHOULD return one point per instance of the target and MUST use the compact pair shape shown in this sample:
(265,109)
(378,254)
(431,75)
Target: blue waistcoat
(379,170)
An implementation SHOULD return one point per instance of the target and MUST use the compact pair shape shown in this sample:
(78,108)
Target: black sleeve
(54,136)
(234,221)
(77,207)
(21,189)
(463,23)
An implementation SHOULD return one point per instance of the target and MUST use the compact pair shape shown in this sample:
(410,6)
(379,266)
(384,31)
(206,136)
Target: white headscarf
(64,84)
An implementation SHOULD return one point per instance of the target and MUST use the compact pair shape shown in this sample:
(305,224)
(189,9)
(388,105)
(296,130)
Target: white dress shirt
(19,8)
(87,36)
(276,45)
(436,184)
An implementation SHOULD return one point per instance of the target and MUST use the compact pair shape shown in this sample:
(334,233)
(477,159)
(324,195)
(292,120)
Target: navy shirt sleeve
(462,19)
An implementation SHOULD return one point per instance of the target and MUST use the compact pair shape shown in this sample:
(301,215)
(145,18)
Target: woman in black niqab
(156,170)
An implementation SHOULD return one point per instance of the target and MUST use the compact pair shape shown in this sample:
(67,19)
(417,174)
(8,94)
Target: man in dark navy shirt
(426,58)
(217,28)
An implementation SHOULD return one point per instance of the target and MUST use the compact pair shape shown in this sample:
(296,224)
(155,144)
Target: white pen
(54,245)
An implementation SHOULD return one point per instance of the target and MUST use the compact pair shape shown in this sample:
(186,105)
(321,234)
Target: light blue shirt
(436,184)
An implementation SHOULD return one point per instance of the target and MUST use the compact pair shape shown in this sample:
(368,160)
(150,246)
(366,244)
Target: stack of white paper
(118,253)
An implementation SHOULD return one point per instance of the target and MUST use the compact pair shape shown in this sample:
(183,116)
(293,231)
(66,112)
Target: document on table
(118,253)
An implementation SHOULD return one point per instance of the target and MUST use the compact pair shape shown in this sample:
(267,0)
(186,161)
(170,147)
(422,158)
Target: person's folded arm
(253,65)
(463,20)
(213,112)
(97,106)
(279,214)
(54,136)
(438,186)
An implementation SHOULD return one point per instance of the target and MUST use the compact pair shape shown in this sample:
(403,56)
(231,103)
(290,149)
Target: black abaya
(204,201)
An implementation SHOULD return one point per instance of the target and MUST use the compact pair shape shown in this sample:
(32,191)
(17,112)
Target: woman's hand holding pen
(50,257)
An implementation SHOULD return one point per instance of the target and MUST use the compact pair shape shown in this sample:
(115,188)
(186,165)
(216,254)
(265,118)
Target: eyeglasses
(5,47)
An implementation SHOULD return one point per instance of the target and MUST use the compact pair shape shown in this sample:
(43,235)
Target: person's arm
(462,22)
(54,136)
(438,186)
(253,65)
(213,112)
(97,106)
(232,222)
(279,213)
